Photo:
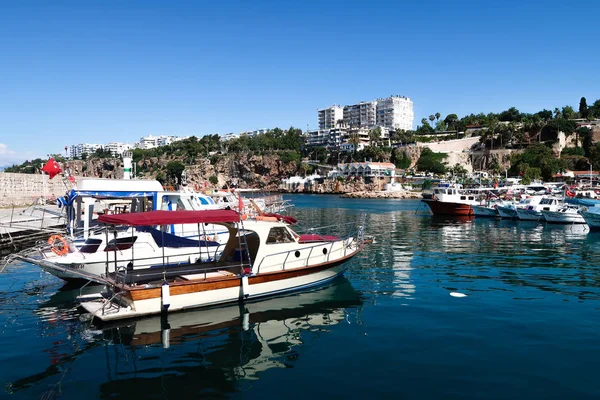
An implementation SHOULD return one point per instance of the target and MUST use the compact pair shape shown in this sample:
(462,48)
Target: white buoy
(166,295)
(457,294)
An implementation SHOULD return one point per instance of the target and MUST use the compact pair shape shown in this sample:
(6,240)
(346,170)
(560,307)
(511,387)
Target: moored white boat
(531,208)
(567,214)
(261,258)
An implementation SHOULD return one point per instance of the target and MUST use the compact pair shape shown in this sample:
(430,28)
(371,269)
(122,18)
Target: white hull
(132,309)
(557,217)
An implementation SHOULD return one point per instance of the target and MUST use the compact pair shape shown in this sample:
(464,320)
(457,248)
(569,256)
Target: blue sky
(74,71)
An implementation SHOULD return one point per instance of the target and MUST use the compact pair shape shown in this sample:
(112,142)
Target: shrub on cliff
(289,156)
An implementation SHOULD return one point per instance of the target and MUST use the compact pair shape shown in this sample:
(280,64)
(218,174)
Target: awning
(162,217)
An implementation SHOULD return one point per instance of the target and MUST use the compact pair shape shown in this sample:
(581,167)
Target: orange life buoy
(58,244)
(244,217)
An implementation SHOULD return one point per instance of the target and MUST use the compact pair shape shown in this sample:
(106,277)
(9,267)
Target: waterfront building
(367,169)
(395,112)
(329,117)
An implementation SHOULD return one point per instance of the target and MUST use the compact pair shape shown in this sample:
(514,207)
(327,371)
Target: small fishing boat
(452,199)
(261,258)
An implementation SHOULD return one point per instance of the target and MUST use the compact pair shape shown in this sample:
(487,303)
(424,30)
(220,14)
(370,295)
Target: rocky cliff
(246,169)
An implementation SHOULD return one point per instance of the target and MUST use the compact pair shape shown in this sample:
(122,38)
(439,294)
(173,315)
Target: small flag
(51,168)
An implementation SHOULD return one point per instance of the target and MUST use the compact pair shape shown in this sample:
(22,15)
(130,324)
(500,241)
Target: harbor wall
(26,189)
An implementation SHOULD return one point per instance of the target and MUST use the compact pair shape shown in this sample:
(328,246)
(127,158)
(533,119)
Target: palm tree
(354,139)
(424,121)
(437,115)
(432,117)
(375,135)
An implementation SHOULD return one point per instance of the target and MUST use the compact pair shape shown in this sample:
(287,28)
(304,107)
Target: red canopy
(170,217)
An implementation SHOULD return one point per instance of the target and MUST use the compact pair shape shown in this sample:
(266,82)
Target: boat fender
(245,288)
(166,295)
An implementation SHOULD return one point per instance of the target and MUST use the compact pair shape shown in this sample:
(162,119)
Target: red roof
(170,217)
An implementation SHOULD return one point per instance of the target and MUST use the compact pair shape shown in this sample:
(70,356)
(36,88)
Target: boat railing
(353,241)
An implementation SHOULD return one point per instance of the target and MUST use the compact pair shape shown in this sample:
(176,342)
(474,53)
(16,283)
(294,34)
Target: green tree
(583,108)
(512,114)
(568,112)
(431,162)
(451,120)
(375,135)
(174,170)
(354,140)
(539,155)
(213,179)
(432,118)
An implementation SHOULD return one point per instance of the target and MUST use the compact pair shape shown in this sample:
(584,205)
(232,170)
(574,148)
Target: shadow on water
(215,348)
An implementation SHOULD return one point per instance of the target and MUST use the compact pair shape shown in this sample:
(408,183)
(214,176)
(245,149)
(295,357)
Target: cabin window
(204,201)
(90,246)
(279,235)
(121,243)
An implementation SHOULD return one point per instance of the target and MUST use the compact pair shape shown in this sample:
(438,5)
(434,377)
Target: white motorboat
(261,258)
(531,209)
(141,247)
(566,214)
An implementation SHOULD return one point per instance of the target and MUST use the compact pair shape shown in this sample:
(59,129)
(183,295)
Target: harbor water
(436,308)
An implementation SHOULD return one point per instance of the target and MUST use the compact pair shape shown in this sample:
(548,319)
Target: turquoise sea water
(528,328)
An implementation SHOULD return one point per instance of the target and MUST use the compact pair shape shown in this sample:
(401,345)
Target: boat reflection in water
(216,347)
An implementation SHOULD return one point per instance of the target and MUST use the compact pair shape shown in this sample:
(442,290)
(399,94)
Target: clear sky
(100,71)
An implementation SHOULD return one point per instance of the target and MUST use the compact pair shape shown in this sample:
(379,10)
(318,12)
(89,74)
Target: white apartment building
(361,115)
(328,117)
(229,136)
(150,142)
(395,112)
(255,132)
(117,148)
(147,142)
(79,150)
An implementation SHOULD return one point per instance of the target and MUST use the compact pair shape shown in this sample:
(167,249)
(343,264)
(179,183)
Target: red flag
(568,193)
(52,168)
